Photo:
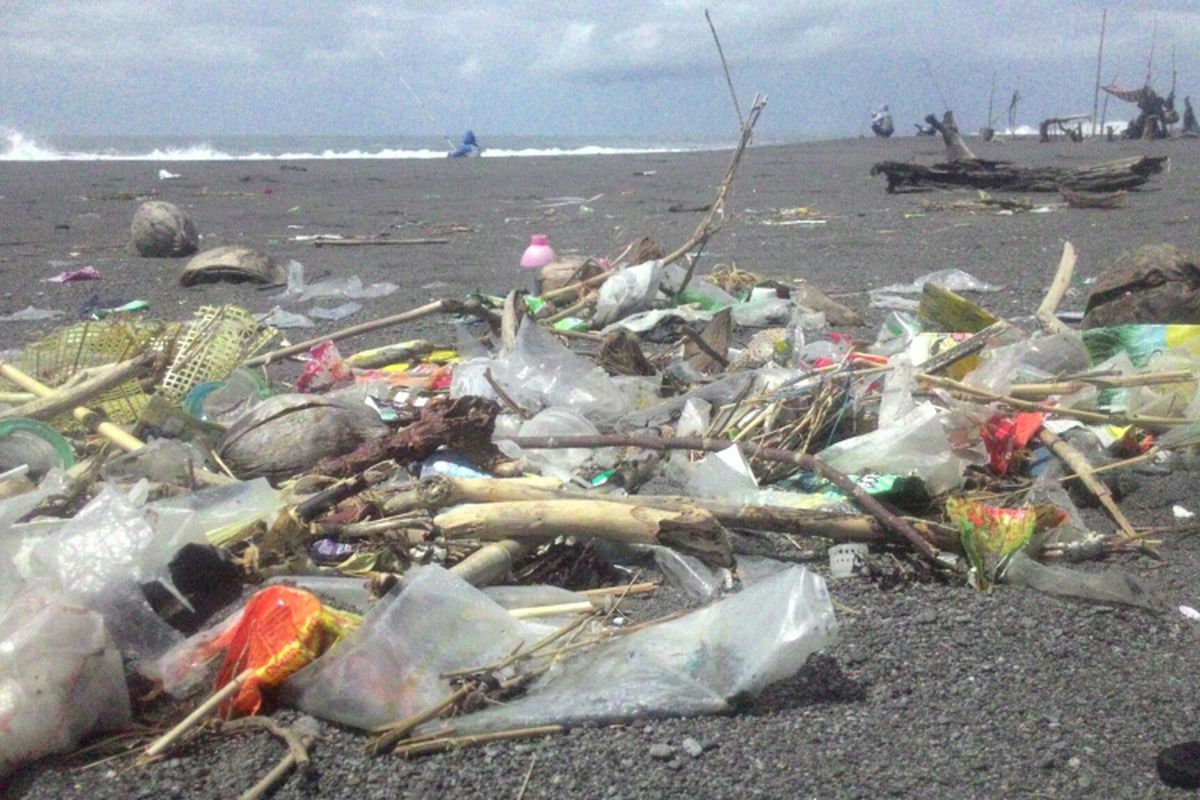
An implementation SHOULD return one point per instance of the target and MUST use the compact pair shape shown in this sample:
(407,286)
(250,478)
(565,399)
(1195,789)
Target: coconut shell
(565,271)
(161,230)
(285,435)
(235,264)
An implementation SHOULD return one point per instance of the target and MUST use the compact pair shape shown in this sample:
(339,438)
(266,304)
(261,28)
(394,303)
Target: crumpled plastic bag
(628,290)
(436,623)
(953,279)
(915,445)
(351,288)
(60,678)
(541,372)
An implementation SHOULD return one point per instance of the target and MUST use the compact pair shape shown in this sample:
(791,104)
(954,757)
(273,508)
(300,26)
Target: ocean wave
(16,146)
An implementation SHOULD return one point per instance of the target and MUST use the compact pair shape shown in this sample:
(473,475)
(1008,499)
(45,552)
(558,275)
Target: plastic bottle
(537,255)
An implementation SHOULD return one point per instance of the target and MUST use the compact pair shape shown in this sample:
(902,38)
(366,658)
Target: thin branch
(736,105)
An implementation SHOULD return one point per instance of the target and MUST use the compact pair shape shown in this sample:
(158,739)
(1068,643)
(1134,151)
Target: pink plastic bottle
(539,253)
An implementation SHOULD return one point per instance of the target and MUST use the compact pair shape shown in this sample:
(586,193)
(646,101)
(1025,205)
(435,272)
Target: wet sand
(933,690)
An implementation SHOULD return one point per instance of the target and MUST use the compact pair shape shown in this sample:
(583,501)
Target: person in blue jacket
(469,147)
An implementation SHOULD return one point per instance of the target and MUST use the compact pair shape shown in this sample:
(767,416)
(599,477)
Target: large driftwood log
(693,531)
(437,492)
(956,148)
(1111,176)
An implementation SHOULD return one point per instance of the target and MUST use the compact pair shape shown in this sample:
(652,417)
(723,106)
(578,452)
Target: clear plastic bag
(435,623)
(627,291)
(696,664)
(60,679)
(541,372)
(915,445)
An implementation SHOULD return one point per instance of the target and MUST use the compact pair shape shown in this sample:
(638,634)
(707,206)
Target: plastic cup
(843,557)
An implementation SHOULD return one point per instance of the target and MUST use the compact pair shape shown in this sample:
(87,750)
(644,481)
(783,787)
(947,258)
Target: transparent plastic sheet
(436,623)
(688,573)
(561,463)
(1073,536)
(915,445)
(161,460)
(391,667)
(335,313)
(1040,358)
(626,291)
(510,597)
(645,321)
(541,372)
(192,517)
(762,309)
(694,418)
(697,664)
(60,679)
(12,509)
(724,390)
(953,279)
(99,558)
(898,387)
(725,474)
(1108,586)
(351,288)
(283,320)
(895,334)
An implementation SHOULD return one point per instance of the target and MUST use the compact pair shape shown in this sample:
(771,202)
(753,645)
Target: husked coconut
(161,230)
(286,434)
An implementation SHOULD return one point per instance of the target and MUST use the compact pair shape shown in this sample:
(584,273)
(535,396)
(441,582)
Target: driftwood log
(438,492)
(688,530)
(1111,176)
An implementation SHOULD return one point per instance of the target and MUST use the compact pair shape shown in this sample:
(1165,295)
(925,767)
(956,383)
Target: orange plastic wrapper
(280,631)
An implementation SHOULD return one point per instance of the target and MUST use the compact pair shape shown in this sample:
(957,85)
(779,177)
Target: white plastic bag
(915,445)
(60,679)
(628,290)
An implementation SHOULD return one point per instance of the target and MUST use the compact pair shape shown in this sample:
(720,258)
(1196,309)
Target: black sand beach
(932,690)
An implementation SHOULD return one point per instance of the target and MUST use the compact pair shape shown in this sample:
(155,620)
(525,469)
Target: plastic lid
(27,441)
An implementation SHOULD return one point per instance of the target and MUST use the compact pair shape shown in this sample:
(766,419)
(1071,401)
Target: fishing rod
(436,124)
(936,85)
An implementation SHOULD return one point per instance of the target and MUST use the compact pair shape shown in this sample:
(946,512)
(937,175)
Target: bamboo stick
(92,420)
(436,307)
(493,562)
(533,612)
(358,242)
(440,492)
(387,739)
(1036,391)
(1083,469)
(456,742)
(1058,287)
(162,743)
(65,398)
(1071,413)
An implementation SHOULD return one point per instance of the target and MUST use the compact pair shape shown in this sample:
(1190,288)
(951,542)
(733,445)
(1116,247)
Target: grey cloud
(95,62)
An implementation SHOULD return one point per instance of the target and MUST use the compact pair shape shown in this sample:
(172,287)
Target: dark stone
(1179,765)
(1155,284)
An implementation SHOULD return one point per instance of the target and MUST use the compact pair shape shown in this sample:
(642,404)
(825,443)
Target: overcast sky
(565,67)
